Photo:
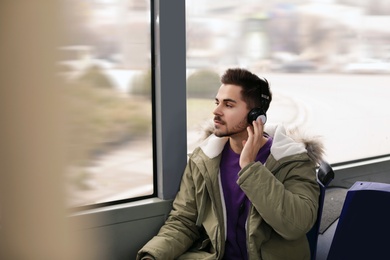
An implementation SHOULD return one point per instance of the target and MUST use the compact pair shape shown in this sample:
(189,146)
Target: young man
(245,193)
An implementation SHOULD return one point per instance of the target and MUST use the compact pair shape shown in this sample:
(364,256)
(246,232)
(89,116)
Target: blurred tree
(203,84)
(142,84)
(94,76)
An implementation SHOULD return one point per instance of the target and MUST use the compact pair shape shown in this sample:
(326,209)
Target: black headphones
(259,111)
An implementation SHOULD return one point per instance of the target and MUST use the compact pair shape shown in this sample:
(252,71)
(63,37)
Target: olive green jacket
(283,193)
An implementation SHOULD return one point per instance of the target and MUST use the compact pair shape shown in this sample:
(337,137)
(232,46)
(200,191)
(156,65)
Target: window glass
(328,63)
(106,61)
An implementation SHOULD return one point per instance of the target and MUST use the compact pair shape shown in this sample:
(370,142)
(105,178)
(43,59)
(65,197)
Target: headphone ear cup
(255,113)
(263,118)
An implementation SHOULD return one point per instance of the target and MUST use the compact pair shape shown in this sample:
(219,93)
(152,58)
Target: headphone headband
(264,96)
(260,112)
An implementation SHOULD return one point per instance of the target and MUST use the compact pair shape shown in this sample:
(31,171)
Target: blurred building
(296,36)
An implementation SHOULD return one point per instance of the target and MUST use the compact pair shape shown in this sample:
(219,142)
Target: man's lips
(218,121)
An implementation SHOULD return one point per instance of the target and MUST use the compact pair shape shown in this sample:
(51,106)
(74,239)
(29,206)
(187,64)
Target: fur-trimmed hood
(286,142)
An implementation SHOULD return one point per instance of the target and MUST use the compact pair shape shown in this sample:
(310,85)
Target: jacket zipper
(247,231)
(219,233)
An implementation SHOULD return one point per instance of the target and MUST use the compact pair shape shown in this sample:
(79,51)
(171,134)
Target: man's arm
(290,208)
(179,231)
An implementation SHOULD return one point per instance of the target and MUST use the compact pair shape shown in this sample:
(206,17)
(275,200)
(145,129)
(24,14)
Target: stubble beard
(227,132)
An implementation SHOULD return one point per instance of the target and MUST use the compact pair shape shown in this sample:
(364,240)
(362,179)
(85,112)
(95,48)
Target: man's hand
(253,144)
(147,257)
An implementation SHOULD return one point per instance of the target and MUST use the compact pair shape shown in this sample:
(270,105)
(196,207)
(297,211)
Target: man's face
(230,114)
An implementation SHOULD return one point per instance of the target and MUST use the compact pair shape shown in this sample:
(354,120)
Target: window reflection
(106,63)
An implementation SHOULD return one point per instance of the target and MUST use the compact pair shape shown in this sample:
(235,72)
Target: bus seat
(325,175)
(363,229)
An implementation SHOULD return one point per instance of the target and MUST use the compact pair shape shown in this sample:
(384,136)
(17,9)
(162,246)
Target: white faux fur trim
(286,142)
(283,145)
(213,145)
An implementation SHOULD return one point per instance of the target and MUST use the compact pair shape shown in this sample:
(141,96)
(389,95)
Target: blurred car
(368,67)
(291,63)
(298,66)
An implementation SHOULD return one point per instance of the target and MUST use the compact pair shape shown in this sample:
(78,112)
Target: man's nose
(217,111)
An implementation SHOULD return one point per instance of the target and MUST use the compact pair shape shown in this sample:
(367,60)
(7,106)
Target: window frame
(168,70)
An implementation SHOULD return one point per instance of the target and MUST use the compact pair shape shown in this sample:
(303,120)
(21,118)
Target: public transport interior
(103,100)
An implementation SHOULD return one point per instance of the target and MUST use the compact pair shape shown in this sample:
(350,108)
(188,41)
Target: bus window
(106,61)
(328,64)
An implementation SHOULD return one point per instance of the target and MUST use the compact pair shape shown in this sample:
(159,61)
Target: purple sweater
(236,202)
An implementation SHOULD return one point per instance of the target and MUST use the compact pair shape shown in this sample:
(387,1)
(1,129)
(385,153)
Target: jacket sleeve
(179,231)
(288,200)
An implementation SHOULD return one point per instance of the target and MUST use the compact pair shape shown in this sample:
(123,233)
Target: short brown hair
(255,91)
